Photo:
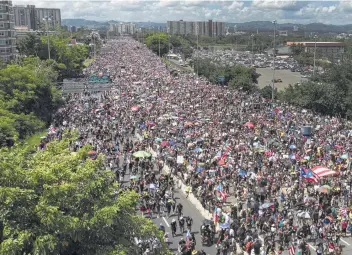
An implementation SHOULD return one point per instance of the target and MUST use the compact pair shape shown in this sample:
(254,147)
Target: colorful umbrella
(292,147)
(164,144)
(324,189)
(142,154)
(344,156)
(135,108)
(249,125)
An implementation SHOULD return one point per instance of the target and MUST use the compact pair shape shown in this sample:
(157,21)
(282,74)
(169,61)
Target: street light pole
(274,55)
(315,50)
(252,35)
(46,19)
(159,43)
(197,30)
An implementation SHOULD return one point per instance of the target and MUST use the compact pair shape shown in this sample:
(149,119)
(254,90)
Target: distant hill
(93,23)
(313,27)
(245,26)
(80,22)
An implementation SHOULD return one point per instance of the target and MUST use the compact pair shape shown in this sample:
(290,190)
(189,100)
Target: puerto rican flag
(291,250)
(308,175)
(215,216)
(221,191)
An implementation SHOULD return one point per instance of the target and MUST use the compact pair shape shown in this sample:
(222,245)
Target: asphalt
(188,210)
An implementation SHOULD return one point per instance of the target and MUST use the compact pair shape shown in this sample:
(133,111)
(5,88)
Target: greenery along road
(28,94)
(60,202)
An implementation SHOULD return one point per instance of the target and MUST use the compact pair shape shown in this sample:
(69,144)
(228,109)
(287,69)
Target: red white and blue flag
(308,175)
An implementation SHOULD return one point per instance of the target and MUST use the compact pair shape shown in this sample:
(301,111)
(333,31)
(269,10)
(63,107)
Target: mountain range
(245,26)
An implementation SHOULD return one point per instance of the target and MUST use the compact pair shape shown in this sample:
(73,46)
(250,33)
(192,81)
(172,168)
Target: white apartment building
(123,28)
(208,28)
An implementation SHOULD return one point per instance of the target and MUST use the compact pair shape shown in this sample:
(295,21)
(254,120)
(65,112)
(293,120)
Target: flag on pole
(292,250)
(215,216)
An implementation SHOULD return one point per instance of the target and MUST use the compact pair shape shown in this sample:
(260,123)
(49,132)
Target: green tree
(29,88)
(266,92)
(297,49)
(30,45)
(59,202)
(69,58)
(28,98)
(158,41)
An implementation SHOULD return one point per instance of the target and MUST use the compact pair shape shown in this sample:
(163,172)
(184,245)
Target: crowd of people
(281,173)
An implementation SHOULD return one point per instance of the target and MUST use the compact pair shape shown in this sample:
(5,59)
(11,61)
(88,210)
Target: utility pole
(274,55)
(252,35)
(197,49)
(46,20)
(315,50)
(159,43)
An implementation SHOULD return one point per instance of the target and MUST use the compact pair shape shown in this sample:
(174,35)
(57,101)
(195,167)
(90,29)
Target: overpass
(71,87)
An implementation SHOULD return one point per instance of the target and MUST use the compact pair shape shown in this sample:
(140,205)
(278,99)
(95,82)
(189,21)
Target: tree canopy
(236,76)
(28,97)
(329,93)
(158,40)
(60,202)
(68,58)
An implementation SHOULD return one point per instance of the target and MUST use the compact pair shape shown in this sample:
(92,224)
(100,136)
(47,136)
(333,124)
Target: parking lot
(286,76)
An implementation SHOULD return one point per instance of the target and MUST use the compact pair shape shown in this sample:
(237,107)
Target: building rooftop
(318,44)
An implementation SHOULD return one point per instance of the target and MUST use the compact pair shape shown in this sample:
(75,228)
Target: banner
(180,159)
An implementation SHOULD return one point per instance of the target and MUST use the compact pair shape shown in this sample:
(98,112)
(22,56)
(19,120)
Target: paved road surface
(188,210)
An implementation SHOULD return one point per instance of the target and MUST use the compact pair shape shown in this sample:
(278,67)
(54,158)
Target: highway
(188,210)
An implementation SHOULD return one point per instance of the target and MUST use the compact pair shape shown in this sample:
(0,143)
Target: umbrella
(266,205)
(164,144)
(292,147)
(142,154)
(249,125)
(200,169)
(304,215)
(135,108)
(344,156)
(324,189)
(198,149)
(133,177)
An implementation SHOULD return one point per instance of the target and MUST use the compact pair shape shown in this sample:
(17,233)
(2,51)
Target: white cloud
(235,5)
(225,10)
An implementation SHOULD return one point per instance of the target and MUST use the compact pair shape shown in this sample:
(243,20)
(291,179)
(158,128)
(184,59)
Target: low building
(283,33)
(324,48)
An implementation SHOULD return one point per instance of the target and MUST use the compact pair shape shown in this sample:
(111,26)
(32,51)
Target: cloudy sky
(328,12)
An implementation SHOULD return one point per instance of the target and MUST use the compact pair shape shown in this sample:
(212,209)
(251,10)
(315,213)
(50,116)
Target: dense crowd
(243,157)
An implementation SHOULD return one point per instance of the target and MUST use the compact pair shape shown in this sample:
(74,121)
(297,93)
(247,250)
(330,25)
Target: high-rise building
(33,17)
(208,28)
(123,28)
(7,31)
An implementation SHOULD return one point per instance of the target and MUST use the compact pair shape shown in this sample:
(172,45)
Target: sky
(301,12)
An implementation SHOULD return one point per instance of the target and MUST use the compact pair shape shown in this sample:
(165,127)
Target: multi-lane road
(190,209)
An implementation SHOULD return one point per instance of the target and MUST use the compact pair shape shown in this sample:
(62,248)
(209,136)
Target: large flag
(308,175)
(292,250)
